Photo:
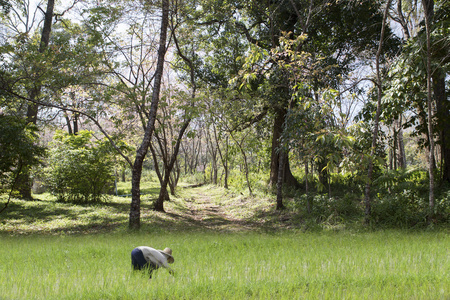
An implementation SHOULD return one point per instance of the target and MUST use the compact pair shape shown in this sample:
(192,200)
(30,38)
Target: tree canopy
(304,96)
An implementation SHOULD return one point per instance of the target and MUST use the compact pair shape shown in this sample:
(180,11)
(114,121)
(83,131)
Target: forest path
(209,209)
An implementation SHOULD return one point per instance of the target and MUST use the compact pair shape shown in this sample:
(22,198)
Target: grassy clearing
(206,207)
(288,265)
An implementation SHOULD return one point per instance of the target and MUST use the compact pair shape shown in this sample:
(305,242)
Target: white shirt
(154,256)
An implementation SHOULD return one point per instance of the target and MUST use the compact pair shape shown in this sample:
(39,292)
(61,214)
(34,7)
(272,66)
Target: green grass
(286,265)
(226,246)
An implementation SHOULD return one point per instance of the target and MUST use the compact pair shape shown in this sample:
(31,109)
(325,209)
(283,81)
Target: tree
(141,152)
(25,182)
(30,63)
(418,74)
(168,136)
(336,36)
(428,6)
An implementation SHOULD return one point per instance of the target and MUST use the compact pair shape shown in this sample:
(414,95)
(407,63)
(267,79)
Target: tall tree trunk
(135,207)
(308,202)
(428,6)
(443,117)
(24,182)
(367,200)
(288,178)
(169,164)
(401,20)
(225,165)
(69,126)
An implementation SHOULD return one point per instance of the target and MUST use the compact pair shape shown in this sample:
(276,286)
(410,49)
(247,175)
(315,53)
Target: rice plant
(284,265)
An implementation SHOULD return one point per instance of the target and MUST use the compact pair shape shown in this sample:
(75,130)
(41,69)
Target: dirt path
(205,212)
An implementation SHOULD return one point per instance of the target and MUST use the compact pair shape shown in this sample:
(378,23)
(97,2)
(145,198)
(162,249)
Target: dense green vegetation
(332,110)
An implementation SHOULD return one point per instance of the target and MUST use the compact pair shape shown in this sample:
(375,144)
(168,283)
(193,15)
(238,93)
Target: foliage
(323,209)
(17,147)
(403,199)
(79,169)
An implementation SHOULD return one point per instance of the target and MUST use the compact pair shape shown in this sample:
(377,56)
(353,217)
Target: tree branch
(78,112)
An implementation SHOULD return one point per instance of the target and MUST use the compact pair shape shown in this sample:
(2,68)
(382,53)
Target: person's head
(168,253)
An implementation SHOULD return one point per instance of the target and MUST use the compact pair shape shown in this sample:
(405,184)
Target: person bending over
(144,257)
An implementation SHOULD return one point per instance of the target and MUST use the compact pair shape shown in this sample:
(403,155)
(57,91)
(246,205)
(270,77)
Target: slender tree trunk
(428,6)
(225,165)
(135,207)
(169,164)
(367,200)
(69,126)
(401,20)
(223,156)
(280,180)
(159,204)
(394,148)
(244,157)
(401,144)
(308,202)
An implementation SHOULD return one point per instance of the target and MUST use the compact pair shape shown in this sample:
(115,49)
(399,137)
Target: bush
(402,198)
(79,170)
(323,207)
(403,209)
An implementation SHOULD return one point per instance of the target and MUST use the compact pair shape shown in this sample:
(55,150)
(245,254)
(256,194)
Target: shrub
(323,207)
(403,209)
(79,169)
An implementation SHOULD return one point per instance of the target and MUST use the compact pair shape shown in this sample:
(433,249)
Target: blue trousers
(139,262)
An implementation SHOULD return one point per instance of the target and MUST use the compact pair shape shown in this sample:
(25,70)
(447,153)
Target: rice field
(233,265)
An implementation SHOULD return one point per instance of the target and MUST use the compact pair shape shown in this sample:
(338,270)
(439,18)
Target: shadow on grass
(50,217)
(188,214)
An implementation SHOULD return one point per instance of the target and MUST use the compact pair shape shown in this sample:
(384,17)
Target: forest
(332,109)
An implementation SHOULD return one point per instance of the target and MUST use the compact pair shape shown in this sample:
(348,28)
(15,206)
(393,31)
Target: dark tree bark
(288,179)
(401,158)
(169,164)
(281,166)
(135,207)
(244,157)
(443,119)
